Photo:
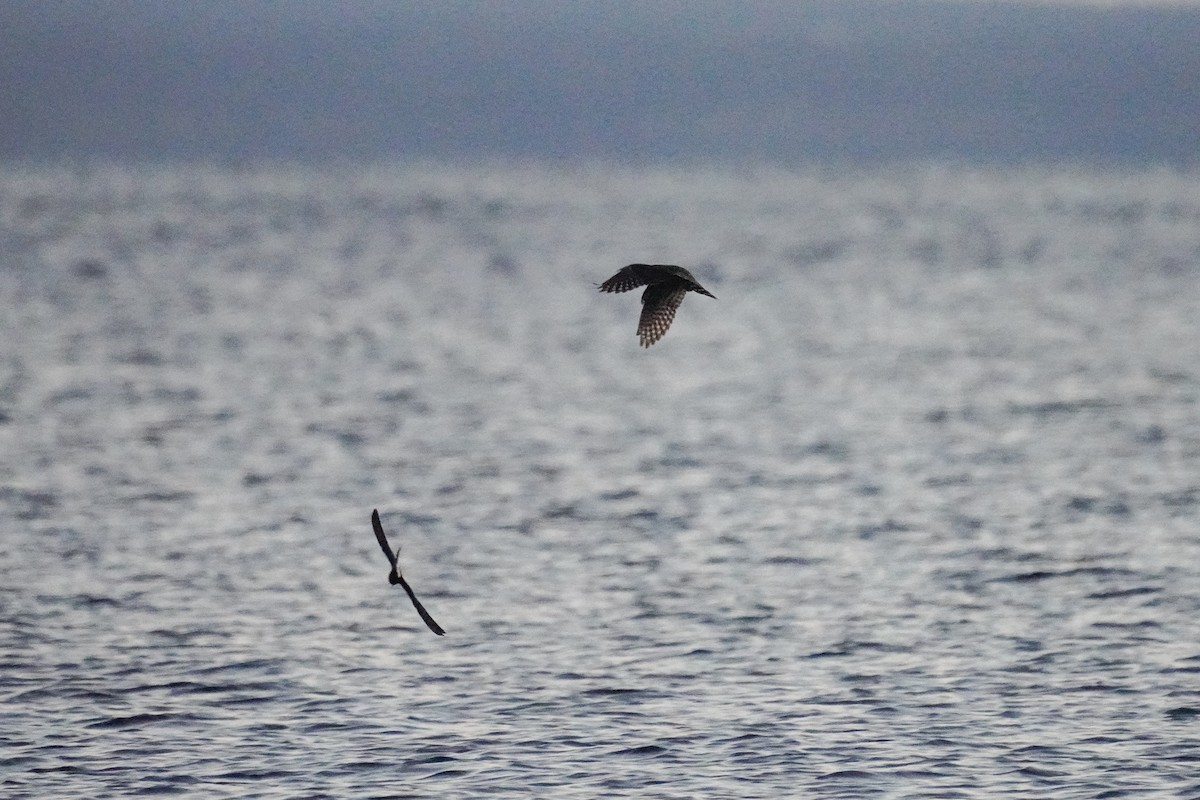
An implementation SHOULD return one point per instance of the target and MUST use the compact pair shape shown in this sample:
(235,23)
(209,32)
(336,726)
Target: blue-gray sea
(911,511)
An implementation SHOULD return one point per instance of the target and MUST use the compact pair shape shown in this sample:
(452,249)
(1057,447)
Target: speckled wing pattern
(659,304)
(630,277)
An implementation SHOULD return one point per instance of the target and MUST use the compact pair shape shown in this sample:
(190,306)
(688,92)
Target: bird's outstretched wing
(429,621)
(659,304)
(381,538)
(631,277)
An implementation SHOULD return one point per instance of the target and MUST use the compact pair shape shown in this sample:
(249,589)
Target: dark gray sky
(633,80)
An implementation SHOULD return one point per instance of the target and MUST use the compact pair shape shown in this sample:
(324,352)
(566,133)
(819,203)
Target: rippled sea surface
(912,510)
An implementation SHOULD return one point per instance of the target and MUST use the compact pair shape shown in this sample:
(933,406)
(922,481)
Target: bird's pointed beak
(702,290)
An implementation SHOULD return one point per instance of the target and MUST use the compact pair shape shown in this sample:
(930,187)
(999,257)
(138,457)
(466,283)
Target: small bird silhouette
(666,284)
(395,577)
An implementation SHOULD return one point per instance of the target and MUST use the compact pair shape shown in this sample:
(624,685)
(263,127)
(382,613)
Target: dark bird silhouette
(395,577)
(666,284)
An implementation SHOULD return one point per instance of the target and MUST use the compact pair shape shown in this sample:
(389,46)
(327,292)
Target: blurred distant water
(912,510)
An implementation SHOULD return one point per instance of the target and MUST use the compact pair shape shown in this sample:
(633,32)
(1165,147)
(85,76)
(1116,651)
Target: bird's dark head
(393,577)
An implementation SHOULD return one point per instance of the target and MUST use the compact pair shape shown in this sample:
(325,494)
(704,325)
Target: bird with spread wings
(395,577)
(666,285)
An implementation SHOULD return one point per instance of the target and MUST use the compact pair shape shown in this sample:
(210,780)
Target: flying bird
(666,284)
(395,577)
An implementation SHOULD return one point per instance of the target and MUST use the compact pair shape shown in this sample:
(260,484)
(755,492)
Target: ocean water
(912,510)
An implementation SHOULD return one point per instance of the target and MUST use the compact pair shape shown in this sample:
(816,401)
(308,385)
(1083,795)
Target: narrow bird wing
(631,277)
(433,626)
(381,538)
(659,304)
